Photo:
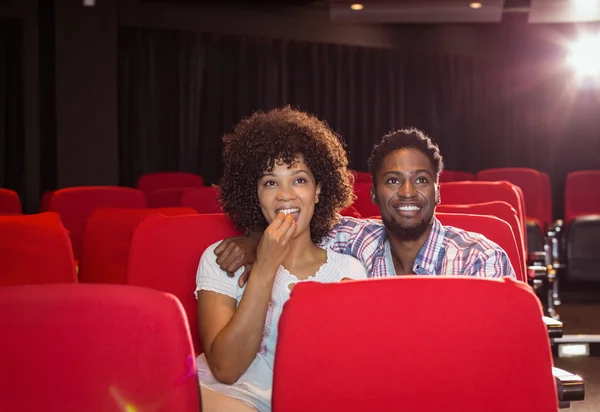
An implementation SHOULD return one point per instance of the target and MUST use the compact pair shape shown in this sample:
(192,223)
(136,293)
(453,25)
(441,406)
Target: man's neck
(405,252)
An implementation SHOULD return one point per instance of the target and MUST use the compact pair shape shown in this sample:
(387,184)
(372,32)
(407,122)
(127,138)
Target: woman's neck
(303,252)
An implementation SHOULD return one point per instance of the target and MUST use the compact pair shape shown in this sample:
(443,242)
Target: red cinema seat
(165,253)
(10,203)
(168,180)
(107,240)
(419,357)
(582,194)
(95,348)
(75,204)
(363,202)
(203,200)
(35,249)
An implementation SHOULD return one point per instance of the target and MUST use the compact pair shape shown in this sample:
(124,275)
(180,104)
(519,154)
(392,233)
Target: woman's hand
(275,243)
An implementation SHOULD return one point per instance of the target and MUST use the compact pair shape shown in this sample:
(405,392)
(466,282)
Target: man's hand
(235,252)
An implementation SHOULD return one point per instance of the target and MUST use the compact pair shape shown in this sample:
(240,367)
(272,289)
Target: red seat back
(531,183)
(35,249)
(461,193)
(203,199)
(362,177)
(501,210)
(363,202)
(168,180)
(582,194)
(75,204)
(547,198)
(167,197)
(413,354)
(10,203)
(455,176)
(102,347)
(165,253)
(493,228)
(107,240)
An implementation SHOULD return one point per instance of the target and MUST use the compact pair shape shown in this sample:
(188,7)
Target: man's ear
(374,196)
(317,192)
(438,199)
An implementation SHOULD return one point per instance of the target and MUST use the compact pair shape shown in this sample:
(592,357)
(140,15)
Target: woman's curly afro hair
(260,140)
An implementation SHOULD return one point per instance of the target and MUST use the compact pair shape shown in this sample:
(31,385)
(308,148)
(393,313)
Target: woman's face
(289,190)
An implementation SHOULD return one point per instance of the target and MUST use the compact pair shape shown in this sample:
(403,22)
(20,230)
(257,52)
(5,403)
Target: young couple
(285,180)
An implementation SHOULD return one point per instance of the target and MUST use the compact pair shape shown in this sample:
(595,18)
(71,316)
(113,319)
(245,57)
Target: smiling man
(408,239)
(405,166)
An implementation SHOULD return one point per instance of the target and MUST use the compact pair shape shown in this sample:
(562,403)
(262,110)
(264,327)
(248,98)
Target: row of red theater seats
(163,245)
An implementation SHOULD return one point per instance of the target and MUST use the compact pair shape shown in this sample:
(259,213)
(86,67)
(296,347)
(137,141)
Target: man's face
(407,193)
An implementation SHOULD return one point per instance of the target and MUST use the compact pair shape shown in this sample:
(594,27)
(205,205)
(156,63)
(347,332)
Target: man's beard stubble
(410,233)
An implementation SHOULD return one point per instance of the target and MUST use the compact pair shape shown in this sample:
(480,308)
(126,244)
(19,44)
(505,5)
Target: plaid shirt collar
(428,257)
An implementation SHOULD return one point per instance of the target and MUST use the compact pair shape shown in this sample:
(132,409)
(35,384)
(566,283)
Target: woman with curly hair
(285,173)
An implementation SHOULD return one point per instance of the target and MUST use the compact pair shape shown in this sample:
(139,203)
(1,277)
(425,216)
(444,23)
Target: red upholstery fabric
(107,240)
(547,198)
(455,176)
(45,202)
(95,348)
(582,194)
(461,193)
(408,343)
(75,205)
(168,180)
(203,199)
(167,197)
(531,183)
(493,228)
(10,202)
(35,249)
(362,177)
(165,254)
(363,203)
(501,210)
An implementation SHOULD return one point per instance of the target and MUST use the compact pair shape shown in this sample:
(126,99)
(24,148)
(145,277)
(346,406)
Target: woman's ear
(317,192)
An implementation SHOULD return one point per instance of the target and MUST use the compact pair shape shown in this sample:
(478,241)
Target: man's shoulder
(461,239)
(347,223)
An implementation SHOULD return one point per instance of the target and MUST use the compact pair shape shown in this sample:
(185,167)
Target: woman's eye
(301,180)
(269,183)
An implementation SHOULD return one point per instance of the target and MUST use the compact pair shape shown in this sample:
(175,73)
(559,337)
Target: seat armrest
(537,272)
(537,257)
(555,327)
(570,387)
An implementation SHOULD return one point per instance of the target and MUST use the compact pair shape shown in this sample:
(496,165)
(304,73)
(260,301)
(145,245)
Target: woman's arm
(231,336)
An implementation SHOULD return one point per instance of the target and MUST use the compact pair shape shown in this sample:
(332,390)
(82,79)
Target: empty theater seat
(531,183)
(168,180)
(95,348)
(582,222)
(35,249)
(167,197)
(75,204)
(202,199)
(164,246)
(363,202)
(107,240)
(423,358)
(455,176)
(10,203)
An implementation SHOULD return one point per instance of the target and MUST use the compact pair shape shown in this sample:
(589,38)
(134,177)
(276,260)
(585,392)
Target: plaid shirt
(447,250)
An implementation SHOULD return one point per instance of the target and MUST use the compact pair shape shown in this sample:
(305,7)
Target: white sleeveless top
(254,386)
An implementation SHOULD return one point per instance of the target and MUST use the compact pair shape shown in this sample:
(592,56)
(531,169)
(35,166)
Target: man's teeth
(408,208)
(288,211)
